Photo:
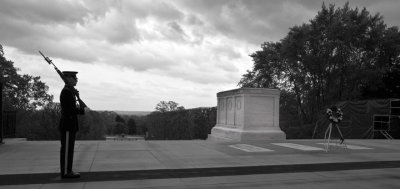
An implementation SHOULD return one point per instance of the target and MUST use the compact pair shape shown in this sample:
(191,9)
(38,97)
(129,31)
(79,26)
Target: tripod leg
(326,132)
(342,142)
(327,140)
(340,133)
(330,132)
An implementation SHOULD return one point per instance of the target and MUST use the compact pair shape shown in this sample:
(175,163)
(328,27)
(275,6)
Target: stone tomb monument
(247,114)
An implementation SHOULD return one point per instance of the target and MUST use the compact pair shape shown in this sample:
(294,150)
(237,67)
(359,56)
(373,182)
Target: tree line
(342,54)
(96,125)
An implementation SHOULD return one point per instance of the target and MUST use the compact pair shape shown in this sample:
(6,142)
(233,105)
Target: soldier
(69,123)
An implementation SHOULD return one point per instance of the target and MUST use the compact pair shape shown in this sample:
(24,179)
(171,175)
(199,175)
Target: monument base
(232,134)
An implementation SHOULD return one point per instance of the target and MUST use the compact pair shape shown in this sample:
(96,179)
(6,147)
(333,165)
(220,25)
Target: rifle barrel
(48,60)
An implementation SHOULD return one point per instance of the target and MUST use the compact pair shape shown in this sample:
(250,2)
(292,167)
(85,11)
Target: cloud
(251,21)
(175,32)
(45,12)
(115,27)
(198,64)
(257,21)
(46,25)
(161,10)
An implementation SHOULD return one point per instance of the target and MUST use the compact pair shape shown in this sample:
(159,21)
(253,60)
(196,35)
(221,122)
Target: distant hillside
(137,113)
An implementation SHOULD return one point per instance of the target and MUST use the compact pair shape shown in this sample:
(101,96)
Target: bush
(181,124)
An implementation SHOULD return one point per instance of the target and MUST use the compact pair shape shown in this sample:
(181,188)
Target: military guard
(70,108)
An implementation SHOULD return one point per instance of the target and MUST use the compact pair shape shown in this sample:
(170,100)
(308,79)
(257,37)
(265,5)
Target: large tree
(341,54)
(22,92)
(165,106)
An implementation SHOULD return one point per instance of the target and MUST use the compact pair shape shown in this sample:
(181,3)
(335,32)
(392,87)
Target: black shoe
(71,175)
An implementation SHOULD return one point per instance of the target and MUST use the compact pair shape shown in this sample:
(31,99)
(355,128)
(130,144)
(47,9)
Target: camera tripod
(328,135)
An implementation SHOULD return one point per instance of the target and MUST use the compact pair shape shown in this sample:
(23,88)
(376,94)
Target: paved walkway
(203,164)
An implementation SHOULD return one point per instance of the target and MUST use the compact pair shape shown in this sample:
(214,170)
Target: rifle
(76,92)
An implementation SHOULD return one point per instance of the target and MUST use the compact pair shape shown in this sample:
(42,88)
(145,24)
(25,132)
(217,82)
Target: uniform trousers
(67,151)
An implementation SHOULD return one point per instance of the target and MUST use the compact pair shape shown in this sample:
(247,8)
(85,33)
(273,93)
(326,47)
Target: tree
(342,54)
(119,119)
(120,126)
(132,126)
(164,106)
(22,92)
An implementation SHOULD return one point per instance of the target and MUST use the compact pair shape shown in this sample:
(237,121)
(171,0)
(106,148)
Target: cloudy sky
(130,55)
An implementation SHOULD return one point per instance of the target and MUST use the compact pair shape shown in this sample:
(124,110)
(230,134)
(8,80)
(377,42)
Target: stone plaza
(203,164)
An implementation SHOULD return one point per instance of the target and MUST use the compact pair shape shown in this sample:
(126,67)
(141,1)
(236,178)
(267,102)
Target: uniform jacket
(69,110)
